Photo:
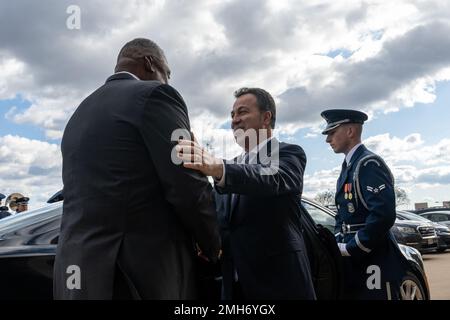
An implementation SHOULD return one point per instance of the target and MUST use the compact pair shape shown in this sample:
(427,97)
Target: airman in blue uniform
(365,199)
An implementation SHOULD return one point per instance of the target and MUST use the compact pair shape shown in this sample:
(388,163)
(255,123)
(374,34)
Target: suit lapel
(265,152)
(233,198)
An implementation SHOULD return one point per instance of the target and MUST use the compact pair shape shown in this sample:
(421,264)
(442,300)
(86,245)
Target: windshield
(320,215)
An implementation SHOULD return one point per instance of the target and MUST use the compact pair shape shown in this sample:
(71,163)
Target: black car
(416,233)
(28,242)
(439,216)
(442,231)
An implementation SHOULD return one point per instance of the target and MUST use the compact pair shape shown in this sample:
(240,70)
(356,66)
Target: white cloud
(410,149)
(311,135)
(49,111)
(320,181)
(418,167)
(414,162)
(398,76)
(394,149)
(389,55)
(397,53)
(14,78)
(30,167)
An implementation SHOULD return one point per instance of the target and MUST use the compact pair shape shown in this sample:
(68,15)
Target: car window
(319,216)
(439,217)
(431,216)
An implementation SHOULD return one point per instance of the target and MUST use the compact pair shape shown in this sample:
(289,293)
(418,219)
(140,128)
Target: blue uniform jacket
(365,199)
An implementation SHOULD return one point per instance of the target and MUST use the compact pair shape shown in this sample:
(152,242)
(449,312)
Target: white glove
(343,249)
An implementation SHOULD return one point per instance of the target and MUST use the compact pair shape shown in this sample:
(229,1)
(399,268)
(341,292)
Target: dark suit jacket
(261,232)
(127,206)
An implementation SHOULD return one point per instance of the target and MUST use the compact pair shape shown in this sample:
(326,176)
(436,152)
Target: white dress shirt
(349,155)
(240,160)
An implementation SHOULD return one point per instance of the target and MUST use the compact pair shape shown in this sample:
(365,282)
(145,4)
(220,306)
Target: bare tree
(401,197)
(325,198)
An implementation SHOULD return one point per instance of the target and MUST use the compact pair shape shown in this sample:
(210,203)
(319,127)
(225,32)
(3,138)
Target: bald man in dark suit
(130,212)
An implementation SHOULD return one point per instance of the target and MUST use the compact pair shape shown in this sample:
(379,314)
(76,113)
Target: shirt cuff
(221,182)
(343,249)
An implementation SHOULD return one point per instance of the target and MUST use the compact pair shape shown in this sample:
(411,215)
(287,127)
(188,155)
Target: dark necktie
(234,196)
(344,168)
(344,165)
(244,160)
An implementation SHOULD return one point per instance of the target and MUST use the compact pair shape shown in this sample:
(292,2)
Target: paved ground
(437,268)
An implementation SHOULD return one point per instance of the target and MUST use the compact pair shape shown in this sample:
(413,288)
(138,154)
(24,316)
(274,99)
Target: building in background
(424,205)
(420,205)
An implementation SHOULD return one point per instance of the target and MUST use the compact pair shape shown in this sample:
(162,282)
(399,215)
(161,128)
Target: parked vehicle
(28,243)
(442,231)
(415,233)
(441,217)
(56,197)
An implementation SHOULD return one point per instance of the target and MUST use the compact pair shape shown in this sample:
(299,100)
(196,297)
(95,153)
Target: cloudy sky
(390,59)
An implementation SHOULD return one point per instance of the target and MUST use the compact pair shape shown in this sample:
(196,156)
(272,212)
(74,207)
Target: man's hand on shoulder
(196,157)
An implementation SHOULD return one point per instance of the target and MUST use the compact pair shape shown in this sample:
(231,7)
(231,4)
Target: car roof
(315,203)
(434,212)
(412,216)
(433,209)
(30,217)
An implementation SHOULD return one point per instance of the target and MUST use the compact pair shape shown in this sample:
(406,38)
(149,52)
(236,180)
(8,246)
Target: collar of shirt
(240,160)
(349,155)
(133,75)
(254,151)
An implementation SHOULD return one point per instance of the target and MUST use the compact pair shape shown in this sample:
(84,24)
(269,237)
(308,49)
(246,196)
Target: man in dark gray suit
(129,212)
(258,199)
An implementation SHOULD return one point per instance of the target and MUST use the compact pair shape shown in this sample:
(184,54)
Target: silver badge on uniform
(351,207)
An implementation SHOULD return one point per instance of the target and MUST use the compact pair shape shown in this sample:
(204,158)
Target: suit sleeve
(253,179)
(377,190)
(188,192)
